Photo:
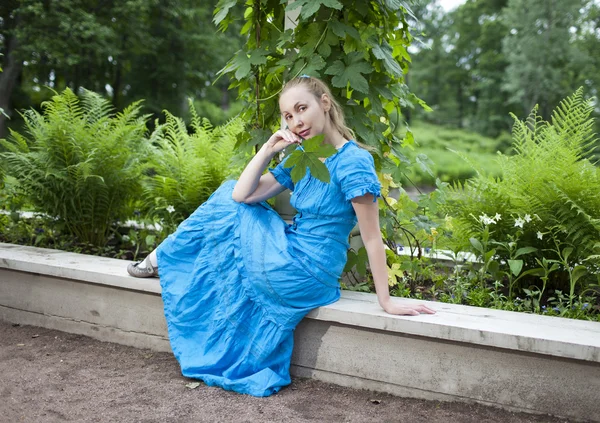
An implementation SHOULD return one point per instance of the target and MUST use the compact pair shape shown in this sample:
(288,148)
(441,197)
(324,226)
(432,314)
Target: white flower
(170,209)
(486,220)
(540,235)
(126,238)
(527,218)
(497,217)
(519,222)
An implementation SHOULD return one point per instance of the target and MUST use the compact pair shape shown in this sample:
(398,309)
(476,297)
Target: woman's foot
(143,269)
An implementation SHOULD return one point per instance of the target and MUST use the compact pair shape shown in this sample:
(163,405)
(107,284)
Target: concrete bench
(516,361)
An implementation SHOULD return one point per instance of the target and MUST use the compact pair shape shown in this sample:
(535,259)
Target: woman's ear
(325,102)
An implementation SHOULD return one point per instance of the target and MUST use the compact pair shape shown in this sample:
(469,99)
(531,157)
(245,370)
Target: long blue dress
(236,279)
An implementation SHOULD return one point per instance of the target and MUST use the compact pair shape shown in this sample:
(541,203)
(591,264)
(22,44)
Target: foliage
(484,59)
(186,168)
(78,162)
(163,51)
(342,42)
(537,49)
(545,202)
(441,145)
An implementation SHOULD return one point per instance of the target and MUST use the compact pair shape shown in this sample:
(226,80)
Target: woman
(236,279)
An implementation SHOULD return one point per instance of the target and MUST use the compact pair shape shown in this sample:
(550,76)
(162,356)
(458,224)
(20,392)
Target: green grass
(436,142)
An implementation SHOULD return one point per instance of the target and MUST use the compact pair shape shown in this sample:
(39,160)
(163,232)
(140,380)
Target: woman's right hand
(281,139)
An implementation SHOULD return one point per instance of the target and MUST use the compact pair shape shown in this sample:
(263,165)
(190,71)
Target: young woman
(236,279)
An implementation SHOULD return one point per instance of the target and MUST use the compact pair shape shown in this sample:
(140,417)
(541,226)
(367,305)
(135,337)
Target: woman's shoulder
(352,154)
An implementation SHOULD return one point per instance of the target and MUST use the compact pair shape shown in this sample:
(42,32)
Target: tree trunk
(8,80)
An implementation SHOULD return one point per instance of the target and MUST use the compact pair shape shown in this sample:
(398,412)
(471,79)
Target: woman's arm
(367,212)
(254,187)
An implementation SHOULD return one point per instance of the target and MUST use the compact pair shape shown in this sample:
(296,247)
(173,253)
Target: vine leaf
(310,7)
(222,10)
(384,52)
(308,156)
(350,72)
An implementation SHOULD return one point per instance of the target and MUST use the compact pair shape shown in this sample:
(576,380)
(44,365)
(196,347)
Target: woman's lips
(304,133)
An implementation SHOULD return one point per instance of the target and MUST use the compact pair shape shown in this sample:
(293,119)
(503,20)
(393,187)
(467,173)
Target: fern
(186,168)
(550,176)
(79,162)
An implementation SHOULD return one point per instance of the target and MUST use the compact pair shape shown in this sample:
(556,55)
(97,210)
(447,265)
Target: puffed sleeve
(357,175)
(282,174)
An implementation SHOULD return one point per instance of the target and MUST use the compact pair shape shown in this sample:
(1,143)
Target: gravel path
(52,376)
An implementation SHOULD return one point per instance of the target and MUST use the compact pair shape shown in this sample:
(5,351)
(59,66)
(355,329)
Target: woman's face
(303,113)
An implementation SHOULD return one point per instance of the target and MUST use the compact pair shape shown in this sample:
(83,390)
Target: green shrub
(78,162)
(186,168)
(546,201)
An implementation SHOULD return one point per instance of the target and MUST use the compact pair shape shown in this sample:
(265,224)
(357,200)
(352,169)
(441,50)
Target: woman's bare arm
(254,187)
(367,212)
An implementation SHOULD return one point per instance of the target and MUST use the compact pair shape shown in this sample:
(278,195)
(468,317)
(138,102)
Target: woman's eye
(302,108)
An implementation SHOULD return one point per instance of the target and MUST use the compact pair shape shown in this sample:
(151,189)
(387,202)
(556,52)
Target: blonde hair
(318,88)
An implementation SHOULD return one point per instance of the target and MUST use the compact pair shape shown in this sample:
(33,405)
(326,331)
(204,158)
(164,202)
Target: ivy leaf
(350,72)
(308,157)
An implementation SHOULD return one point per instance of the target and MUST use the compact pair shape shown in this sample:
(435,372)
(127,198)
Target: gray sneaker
(142,272)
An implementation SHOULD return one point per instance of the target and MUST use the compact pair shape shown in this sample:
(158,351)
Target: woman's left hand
(393,307)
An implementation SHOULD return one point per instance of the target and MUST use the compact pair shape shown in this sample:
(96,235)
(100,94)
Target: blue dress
(236,279)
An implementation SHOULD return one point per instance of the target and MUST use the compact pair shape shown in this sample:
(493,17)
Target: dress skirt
(234,289)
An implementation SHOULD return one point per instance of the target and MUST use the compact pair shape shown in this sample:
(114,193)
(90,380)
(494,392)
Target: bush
(78,162)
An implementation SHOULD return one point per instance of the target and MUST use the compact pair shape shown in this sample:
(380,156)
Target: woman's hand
(393,307)
(280,140)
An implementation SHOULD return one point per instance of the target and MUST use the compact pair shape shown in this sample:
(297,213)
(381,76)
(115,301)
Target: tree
(162,51)
(538,49)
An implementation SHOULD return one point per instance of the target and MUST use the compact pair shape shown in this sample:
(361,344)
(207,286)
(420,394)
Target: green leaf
(515,266)
(222,10)
(310,7)
(424,163)
(350,72)
(341,30)
(309,157)
(566,253)
(577,273)
(524,250)
(384,53)
(475,243)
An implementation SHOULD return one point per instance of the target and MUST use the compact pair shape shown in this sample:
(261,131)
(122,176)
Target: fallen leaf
(148,355)
(375,401)
(34,336)
(192,385)
(20,345)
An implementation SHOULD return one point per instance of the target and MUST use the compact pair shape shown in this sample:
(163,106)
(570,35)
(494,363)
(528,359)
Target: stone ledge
(555,336)
(515,361)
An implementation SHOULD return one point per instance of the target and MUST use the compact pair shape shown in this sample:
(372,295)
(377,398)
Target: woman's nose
(298,122)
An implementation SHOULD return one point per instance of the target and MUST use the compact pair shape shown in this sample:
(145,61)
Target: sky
(448,5)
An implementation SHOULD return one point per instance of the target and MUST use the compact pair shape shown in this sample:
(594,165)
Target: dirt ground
(51,376)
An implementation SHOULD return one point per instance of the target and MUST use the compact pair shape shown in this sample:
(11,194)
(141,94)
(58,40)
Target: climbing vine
(359,48)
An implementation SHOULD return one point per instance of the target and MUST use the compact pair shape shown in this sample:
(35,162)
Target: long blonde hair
(318,88)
